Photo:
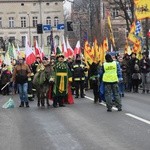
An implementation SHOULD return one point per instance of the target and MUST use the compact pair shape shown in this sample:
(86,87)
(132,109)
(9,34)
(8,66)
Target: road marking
(100,103)
(128,114)
(138,118)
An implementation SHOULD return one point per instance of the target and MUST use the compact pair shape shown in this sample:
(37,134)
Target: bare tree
(126,10)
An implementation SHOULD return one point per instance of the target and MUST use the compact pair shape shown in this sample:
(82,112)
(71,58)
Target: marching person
(20,76)
(145,72)
(5,79)
(111,75)
(132,67)
(61,76)
(35,65)
(79,69)
(94,79)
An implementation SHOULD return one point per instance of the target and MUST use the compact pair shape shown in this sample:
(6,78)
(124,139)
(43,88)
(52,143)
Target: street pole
(40,4)
(29,29)
(147,29)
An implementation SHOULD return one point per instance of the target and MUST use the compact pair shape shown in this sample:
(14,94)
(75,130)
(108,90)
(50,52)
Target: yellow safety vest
(110,72)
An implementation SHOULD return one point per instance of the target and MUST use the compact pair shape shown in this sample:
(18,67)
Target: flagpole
(146,27)
(29,29)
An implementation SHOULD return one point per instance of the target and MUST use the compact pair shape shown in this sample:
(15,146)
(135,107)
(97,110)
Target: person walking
(62,75)
(20,76)
(145,72)
(78,69)
(111,76)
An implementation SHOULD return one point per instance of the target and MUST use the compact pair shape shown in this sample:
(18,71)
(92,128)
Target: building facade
(20,18)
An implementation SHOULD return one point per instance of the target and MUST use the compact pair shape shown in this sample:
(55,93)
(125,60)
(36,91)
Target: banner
(142,10)
(88,53)
(132,37)
(112,39)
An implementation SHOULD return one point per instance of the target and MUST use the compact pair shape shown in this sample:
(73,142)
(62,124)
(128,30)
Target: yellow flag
(105,45)
(96,51)
(137,47)
(129,51)
(142,10)
(111,31)
(131,36)
(126,47)
(102,54)
(109,23)
(87,50)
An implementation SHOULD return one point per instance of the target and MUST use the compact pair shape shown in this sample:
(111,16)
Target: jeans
(145,81)
(23,92)
(121,88)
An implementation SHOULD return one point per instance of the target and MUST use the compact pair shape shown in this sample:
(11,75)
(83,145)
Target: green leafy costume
(61,75)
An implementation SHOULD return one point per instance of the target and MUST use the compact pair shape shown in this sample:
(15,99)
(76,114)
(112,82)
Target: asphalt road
(81,126)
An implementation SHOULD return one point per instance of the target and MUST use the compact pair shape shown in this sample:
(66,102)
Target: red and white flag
(64,47)
(30,56)
(69,49)
(77,49)
(42,52)
(36,48)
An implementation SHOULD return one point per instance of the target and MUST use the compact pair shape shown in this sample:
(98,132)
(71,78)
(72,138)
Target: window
(23,40)
(56,21)
(48,40)
(23,22)
(115,12)
(129,11)
(11,22)
(48,20)
(0,22)
(12,39)
(35,20)
(1,42)
(47,4)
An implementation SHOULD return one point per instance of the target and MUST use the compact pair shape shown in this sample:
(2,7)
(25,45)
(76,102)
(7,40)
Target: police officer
(111,76)
(78,70)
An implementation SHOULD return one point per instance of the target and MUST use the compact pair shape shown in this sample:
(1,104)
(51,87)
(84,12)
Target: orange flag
(105,44)
(131,36)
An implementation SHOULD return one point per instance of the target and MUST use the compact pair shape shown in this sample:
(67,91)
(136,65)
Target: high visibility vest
(110,72)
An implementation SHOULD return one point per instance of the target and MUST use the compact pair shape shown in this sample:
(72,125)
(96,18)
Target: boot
(95,99)
(30,99)
(27,104)
(22,104)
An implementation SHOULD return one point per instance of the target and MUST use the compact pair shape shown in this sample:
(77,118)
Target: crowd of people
(109,81)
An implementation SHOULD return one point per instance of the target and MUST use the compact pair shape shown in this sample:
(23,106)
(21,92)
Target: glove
(51,79)
(70,79)
(120,79)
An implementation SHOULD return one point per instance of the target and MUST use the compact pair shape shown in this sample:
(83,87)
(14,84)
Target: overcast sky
(67,9)
(67,5)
